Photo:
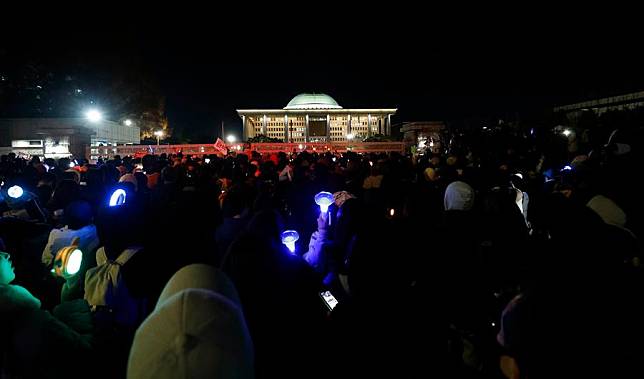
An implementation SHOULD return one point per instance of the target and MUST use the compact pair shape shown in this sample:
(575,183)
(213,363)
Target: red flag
(221,146)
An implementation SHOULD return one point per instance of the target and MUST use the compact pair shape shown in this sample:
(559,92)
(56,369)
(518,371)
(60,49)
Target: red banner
(221,146)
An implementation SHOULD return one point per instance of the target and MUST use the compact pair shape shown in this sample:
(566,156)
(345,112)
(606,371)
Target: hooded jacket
(606,208)
(459,196)
(197,330)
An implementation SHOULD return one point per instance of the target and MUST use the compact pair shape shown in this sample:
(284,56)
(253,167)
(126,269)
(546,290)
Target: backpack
(106,290)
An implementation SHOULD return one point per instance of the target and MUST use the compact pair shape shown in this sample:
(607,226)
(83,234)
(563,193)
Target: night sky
(205,74)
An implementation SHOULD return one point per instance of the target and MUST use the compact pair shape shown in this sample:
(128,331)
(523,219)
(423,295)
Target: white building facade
(316,118)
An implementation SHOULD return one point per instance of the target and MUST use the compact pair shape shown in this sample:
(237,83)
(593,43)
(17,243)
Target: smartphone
(329,300)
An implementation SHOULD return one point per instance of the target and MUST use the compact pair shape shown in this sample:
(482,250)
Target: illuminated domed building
(316,117)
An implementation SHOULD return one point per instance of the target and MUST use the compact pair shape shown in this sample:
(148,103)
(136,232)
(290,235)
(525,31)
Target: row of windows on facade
(302,118)
(281,124)
(296,135)
(336,136)
(280,128)
(335,129)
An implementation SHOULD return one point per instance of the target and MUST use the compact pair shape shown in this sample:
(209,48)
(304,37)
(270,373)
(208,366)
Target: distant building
(316,118)
(424,135)
(62,137)
(600,106)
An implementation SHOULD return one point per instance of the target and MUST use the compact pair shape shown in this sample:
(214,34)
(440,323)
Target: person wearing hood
(196,330)
(459,196)
(609,212)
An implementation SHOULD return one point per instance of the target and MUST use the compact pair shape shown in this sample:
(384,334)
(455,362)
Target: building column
(264,126)
(306,129)
(389,124)
(348,124)
(369,125)
(328,128)
(244,131)
(286,139)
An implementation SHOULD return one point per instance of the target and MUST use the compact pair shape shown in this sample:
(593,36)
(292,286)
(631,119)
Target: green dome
(312,101)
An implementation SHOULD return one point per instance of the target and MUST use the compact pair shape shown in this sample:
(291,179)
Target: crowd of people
(531,265)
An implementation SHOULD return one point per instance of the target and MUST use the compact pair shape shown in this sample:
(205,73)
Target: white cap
(197,330)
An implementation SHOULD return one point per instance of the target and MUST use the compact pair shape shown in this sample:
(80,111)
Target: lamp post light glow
(289,237)
(159,134)
(15,192)
(324,199)
(566,132)
(94,115)
(231,138)
(350,136)
(128,122)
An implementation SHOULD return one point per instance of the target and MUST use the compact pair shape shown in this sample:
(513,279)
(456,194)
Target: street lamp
(94,115)
(128,122)
(567,132)
(350,136)
(231,138)
(159,134)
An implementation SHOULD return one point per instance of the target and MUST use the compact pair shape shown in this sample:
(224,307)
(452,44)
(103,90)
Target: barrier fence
(107,152)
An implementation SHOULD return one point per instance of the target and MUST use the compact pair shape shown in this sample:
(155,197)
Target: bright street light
(128,122)
(159,134)
(566,132)
(94,115)
(350,136)
(231,138)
